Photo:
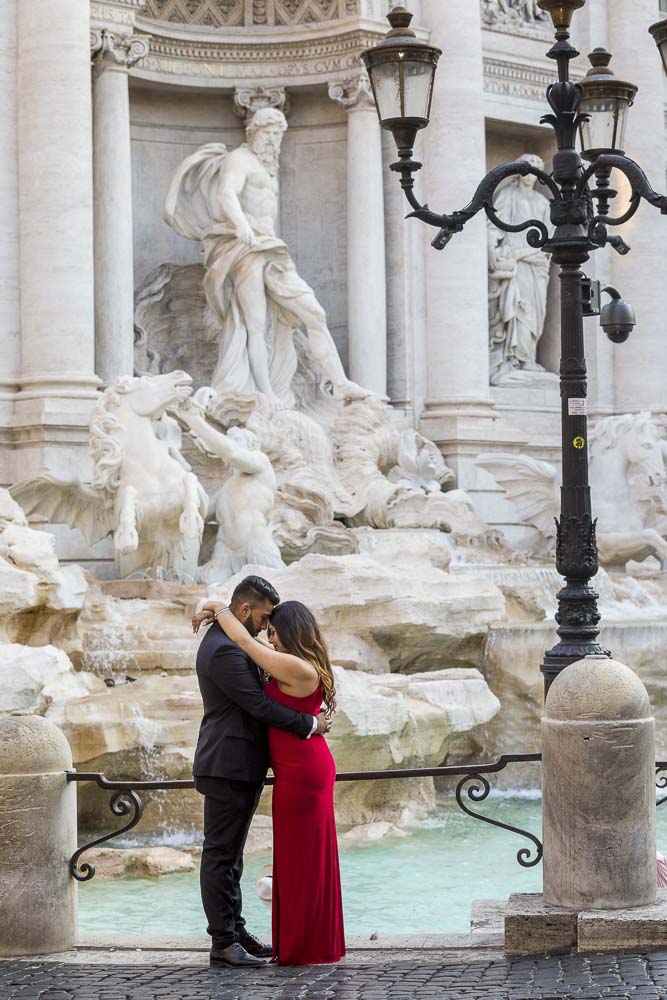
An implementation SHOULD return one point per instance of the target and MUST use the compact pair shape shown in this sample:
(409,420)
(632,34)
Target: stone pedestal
(638,929)
(37,838)
(112,165)
(366,267)
(598,789)
(533,928)
(57,382)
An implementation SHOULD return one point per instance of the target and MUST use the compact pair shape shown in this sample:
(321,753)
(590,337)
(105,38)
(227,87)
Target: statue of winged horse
(627,472)
(142,491)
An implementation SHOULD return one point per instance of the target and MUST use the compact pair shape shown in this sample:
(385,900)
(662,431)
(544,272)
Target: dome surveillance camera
(617,318)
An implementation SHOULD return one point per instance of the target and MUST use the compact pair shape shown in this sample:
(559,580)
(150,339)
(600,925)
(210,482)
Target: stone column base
(464,429)
(534,928)
(49,433)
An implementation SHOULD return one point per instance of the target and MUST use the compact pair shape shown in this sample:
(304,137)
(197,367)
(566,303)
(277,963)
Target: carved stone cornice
(518,79)
(355,92)
(112,50)
(248,100)
(247,59)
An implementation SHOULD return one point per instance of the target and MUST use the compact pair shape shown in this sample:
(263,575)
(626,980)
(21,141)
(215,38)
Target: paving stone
(639,976)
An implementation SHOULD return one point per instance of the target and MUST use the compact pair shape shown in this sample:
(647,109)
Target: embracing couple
(247,726)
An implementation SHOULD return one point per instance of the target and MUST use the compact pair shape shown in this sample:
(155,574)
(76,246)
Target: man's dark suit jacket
(233,740)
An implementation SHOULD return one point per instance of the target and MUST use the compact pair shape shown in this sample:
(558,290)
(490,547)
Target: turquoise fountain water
(422,883)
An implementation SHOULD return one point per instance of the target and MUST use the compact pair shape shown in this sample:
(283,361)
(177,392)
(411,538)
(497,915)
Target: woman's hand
(234,629)
(204,617)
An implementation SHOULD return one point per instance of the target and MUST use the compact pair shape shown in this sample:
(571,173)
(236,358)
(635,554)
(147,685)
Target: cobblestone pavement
(628,976)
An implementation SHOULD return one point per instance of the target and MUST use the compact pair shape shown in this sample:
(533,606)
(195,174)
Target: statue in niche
(518,283)
(229,201)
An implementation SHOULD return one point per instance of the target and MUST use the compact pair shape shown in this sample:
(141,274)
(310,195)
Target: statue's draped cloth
(193,209)
(518,305)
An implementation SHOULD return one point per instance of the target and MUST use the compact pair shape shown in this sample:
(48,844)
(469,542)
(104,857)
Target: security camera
(617,318)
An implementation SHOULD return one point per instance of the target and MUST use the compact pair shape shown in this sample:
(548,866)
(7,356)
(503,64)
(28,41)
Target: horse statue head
(148,395)
(142,396)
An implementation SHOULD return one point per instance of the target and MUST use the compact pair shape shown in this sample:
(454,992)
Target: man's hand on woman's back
(323,725)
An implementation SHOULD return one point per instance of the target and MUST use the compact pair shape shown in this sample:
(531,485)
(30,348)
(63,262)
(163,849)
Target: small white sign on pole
(576,407)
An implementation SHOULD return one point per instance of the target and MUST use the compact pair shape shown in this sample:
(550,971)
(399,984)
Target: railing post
(37,837)
(598,789)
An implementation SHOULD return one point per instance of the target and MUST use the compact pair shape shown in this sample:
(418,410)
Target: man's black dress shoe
(236,956)
(254,946)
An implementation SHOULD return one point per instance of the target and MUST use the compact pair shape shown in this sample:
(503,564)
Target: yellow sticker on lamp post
(578,443)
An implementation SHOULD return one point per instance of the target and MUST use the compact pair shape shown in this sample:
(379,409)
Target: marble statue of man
(242,506)
(229,201)
(518,282)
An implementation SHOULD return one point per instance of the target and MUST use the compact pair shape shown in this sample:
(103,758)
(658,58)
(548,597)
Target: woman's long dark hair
(300,635)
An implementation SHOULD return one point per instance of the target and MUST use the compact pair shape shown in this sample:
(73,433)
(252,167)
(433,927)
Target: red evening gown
(307,909)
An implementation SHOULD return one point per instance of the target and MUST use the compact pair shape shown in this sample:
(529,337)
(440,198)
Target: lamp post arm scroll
(641,189)
(449,225)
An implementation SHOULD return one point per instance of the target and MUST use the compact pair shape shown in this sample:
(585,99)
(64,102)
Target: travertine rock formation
(40,600)
(141,862)
(150,727)
(392,607)
(40,680)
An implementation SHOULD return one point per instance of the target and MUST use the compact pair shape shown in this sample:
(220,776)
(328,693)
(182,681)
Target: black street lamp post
(402,69)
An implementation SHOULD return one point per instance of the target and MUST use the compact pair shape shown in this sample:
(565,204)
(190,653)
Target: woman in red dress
(307,911)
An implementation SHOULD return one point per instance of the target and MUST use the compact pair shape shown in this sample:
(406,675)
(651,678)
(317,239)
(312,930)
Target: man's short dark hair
(254,590)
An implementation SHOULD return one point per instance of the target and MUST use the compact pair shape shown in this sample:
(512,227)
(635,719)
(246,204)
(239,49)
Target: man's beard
(268,155)
(251,627)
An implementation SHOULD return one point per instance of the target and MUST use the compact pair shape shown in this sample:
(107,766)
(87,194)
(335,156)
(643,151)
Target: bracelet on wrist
(219,612)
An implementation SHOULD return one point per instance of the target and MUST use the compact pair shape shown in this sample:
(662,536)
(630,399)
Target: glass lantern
(561,11)
(659,32)
(401,70)
(606,101)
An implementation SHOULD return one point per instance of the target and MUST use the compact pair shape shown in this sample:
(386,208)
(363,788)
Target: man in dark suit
(230,765)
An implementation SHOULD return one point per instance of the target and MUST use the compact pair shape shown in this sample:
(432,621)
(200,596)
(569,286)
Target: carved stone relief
(353,92)
(213,13)
(510,15)
(225,13)
(248,100)
(109,48)
(627,456)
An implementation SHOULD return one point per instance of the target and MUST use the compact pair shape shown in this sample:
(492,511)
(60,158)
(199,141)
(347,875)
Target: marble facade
(101,102)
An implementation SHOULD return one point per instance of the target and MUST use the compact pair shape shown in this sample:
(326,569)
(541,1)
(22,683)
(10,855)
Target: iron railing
(473,783)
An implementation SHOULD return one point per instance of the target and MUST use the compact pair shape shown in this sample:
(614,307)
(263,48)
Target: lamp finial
(399,19)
